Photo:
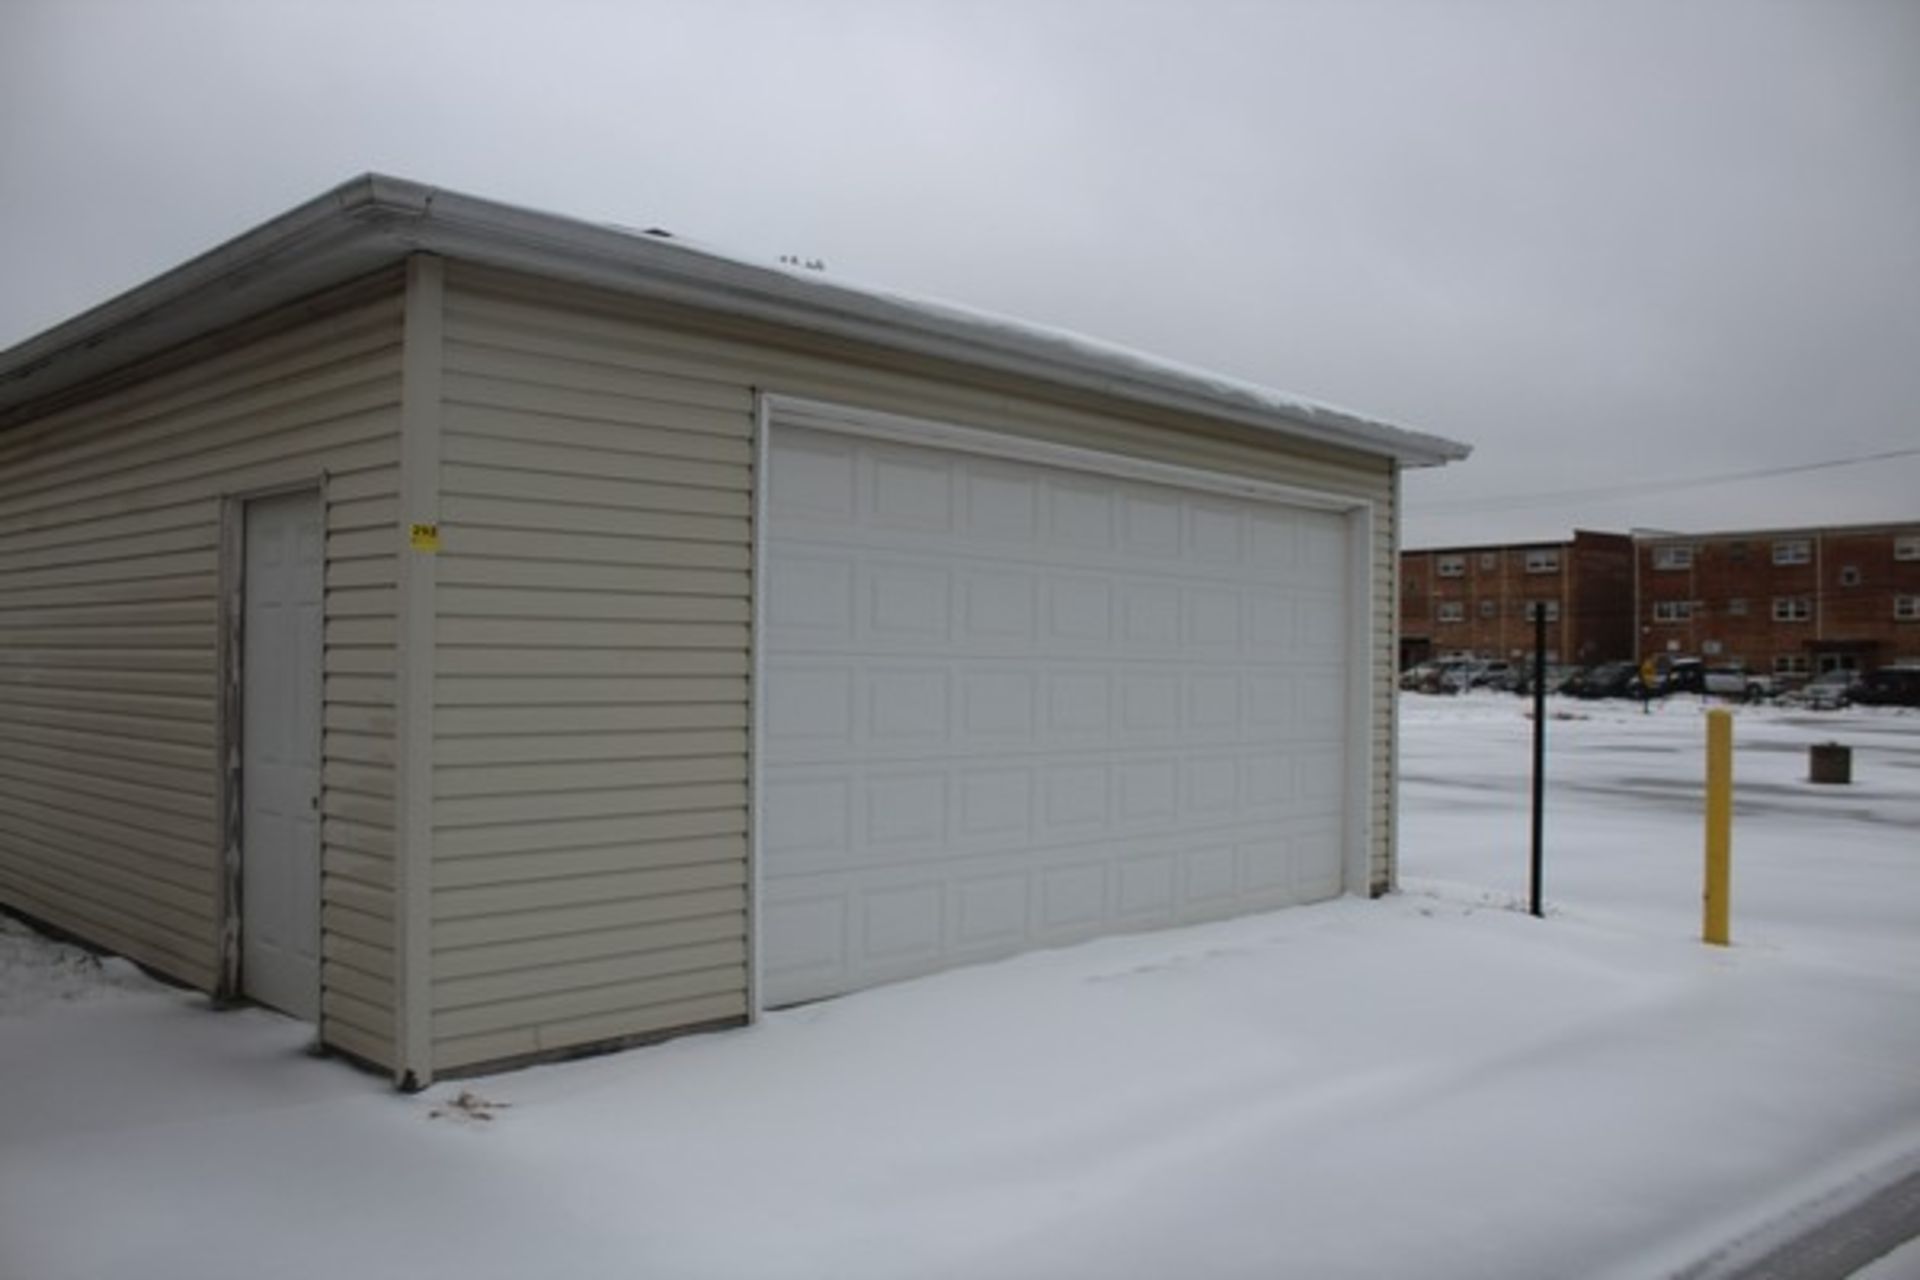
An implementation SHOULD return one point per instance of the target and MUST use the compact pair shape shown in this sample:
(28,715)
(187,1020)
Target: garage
(486,635)
(1018,697)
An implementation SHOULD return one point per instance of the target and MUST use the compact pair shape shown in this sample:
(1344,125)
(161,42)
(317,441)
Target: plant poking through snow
(468,1108)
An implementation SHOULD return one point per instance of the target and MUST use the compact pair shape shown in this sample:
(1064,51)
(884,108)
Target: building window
(1792,609)
(1489,560)
(1793,551)
(1737,552)
(1737,607)
(1710,648)
(1906,608)
(1489,608)
(1450,566)
(1672,610)
(1790,664)
(1453,611)
(1850,576)
(1543,562)
(1907,547)
(1552,607)
(1676,556)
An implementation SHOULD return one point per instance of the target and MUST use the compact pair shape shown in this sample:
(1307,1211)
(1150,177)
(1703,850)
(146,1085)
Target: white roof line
(374,220)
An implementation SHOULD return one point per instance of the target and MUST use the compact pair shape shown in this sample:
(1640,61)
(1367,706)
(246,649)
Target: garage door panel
(810,602)
(907,708)
(902,925)
(1322,562)
(906,811)
(1269,781)
(1080,514)
(1079,613)
(1215,531)
(1265,865)
(1073,899)
(1317,861)
(1146,890)
(1150,525)
(907,605)
(908,490)
(1274,539)
(1150,619)
(816,482)
(809,709)
(809,935)
(1209,880)
(991,912)
(1000,607)
(1001,504)
(1321,704)
(1270,703)
(807,819)
(1212,784)
(1009,706)
(856,927)
(1079,706)
(997,706)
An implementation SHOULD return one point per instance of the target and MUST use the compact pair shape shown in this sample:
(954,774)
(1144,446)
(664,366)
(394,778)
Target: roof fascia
(373,220)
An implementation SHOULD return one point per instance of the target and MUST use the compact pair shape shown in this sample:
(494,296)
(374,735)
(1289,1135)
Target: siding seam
(422,362)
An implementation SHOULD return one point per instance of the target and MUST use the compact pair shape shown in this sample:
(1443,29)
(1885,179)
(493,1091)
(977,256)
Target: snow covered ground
(1435,1084)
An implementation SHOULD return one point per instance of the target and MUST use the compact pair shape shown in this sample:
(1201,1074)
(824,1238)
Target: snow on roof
(374,220)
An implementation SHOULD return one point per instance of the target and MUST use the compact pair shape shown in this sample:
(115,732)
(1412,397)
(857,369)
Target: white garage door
(1008,705)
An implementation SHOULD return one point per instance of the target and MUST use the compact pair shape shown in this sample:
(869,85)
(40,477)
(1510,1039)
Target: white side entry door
(280,755)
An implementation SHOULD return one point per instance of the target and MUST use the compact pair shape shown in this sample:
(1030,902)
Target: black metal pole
(1539,739)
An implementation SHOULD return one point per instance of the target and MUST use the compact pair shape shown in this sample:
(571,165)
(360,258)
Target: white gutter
(373,221)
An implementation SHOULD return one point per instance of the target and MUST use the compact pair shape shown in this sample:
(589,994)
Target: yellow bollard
(1715,928)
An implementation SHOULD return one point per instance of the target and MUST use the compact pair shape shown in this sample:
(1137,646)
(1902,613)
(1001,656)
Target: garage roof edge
(374,220)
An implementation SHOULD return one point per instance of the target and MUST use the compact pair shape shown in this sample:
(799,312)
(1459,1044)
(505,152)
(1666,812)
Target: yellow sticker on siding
(425,537)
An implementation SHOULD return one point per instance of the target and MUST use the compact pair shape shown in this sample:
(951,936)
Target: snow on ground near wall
(1902,1264)
(35,972)
(1433,1084)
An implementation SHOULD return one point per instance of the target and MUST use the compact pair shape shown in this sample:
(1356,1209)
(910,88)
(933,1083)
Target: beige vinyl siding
(590,701)
(592,755)
(111,511)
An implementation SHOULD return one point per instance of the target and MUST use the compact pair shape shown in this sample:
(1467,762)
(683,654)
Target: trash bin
(1830,762)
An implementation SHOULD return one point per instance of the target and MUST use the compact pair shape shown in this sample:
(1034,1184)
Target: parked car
(1425,677)
(1827,691)
(1737,682)
(1608,680)
(1681,675)
(1728,680)
(1443,675)
(1558,673)
(1889,687)
(1414,678)
(1494,674)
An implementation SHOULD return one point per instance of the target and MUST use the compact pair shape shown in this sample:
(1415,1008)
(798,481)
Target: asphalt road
(1837,1247)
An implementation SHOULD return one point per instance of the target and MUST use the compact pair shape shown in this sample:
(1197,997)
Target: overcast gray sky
(1606,243)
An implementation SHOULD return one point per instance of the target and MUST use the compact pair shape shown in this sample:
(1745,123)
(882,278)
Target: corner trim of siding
(1363,680)
(227,743)
(422,355)
(756,693)
(1390,874)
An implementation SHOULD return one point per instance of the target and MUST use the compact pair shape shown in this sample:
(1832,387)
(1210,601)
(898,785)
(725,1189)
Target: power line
(1650,487)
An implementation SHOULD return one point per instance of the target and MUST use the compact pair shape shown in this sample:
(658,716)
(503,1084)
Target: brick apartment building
(1477,601)
(1788,601)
